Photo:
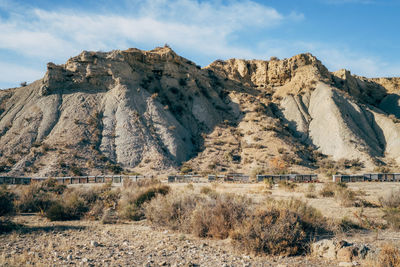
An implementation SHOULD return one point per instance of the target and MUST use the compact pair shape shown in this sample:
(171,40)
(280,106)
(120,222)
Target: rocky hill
(156,112)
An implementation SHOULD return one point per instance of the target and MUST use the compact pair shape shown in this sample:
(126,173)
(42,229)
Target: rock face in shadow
(151,111)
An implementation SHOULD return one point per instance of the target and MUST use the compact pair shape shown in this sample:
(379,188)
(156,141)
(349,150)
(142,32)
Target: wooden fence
(70,180)
(302,178)
(367,177)
(188,178)
(230,177)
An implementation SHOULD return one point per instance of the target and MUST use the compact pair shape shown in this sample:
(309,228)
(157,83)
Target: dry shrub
(392,217)
(269,183)
(133,198)
(173,210)
(6,201)
(391,200)
(389,256)
(206,190)
(32,198)
(281,227)
(391,209)
(328,190)
(189,186)
(271,231)
(311,195)
(312,219)
(345,196)
(99,198)
(71,207)
(346,224)
(217,217)
(38,197)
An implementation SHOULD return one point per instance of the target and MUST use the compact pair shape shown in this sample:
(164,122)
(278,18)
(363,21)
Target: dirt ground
(89,243)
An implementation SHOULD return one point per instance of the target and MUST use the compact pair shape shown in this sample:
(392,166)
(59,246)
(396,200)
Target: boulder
(324,248)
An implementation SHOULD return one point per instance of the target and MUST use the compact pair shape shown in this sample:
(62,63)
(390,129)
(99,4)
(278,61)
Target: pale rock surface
(151,111)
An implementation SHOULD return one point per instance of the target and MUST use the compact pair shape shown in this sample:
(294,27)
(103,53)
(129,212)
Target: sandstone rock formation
(152,111)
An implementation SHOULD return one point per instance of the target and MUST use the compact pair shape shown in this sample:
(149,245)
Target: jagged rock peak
(297,73)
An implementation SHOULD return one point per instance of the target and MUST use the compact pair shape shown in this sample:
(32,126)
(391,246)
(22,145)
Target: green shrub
(150,193)
(56,212)
(114,168)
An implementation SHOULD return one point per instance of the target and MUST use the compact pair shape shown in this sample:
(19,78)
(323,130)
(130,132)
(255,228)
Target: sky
(359,35)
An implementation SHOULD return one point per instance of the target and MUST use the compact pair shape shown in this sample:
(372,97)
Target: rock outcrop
(152,111)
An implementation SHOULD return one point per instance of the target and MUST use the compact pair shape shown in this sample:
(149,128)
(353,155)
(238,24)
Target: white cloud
(202,26)
(208,29)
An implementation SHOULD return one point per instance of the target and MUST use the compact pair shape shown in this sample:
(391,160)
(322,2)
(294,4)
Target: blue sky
(359,35)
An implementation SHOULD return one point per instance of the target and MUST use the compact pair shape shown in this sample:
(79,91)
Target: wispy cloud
(199,25)
(201,30)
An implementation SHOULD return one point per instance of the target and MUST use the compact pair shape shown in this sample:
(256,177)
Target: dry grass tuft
(389,256)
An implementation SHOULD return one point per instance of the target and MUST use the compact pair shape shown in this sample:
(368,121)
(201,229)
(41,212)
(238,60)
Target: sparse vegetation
(345,196)
(221,215)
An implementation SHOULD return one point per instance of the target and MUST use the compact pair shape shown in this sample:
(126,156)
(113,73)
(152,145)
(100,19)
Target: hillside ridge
(157,112)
